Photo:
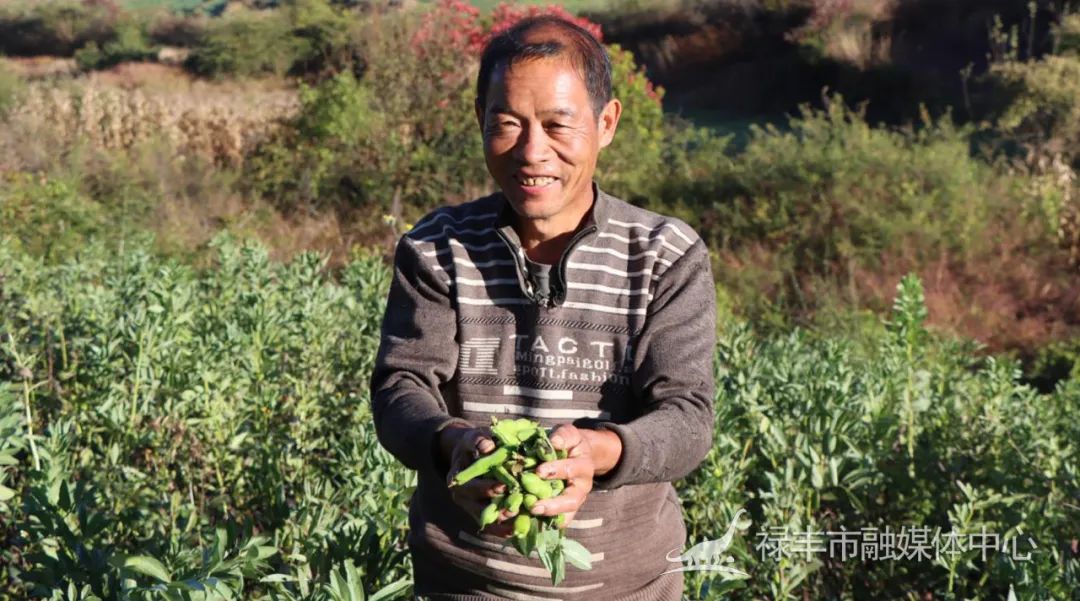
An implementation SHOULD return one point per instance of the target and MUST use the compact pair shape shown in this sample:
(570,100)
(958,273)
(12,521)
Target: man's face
(541,137)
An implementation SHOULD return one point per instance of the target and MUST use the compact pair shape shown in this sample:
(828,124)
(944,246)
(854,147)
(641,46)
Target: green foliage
(129,44)
(1044,116)
(400,132)
(49,218)
(244,45)
(628,167)
(815,435)
(301,37)
(829,195)
(166,432)
(185,431)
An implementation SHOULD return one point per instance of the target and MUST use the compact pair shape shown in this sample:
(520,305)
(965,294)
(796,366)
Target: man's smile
(534,184)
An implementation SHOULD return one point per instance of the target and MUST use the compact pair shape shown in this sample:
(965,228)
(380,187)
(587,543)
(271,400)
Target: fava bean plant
(171,431)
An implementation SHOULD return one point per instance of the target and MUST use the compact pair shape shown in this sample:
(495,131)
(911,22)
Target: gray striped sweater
(625,343)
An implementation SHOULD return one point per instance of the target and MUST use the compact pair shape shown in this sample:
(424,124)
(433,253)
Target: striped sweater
(624,342)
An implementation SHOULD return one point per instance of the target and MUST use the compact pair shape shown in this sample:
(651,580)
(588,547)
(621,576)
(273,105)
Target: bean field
(178,432)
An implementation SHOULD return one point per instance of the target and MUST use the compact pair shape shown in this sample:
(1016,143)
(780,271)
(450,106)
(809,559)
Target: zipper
(522,270)
(558,295)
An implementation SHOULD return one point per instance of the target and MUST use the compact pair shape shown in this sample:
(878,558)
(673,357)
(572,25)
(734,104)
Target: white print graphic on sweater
(477,356)
(557,358)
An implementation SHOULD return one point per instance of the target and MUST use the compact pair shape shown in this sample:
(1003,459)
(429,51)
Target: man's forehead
(559,96)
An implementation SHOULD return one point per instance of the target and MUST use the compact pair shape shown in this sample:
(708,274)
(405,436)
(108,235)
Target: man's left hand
(588,453)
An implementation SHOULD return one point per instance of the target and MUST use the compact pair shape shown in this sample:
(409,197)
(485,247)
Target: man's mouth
(536,182)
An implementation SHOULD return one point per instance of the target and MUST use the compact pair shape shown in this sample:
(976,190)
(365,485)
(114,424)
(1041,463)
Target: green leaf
(144,564)
(558,574)
(388,591)
(6,493)
(576,554)
(272,578)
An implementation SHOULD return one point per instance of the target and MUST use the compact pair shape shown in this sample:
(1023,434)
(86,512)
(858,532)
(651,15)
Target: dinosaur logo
(710,555)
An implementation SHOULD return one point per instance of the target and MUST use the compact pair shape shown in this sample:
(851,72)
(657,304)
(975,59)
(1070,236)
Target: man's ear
(609,120)
(479,109)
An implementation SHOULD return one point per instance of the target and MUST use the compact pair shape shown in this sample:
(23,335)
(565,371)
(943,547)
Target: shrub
(300,37)
(332,139)
(1043,117)
(629,166)
(129,44)
(829,195)
(244,44)
(48,218)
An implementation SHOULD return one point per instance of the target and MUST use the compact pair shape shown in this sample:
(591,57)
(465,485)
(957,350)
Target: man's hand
(461,446)
(589,453)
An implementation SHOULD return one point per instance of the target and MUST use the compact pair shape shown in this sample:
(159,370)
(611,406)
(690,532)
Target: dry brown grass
(38,67)
(138,103)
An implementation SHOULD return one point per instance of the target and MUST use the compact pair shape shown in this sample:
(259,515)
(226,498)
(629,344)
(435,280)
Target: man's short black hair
(584,51)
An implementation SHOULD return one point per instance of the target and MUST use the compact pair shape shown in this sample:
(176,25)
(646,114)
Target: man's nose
(532,145)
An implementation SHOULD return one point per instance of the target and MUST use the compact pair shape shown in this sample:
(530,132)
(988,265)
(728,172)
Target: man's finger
(570,500)
(566,469)
(566,436)
(480,443)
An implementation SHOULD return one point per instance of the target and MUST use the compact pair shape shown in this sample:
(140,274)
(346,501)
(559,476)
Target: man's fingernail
(537,509)
(556,440)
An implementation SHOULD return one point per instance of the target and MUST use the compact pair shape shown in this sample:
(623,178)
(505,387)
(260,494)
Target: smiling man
(552,300)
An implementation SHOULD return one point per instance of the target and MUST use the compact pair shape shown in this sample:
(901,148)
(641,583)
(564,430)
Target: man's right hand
(461,446)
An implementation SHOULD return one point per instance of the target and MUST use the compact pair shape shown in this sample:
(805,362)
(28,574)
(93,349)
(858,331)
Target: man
(555,301)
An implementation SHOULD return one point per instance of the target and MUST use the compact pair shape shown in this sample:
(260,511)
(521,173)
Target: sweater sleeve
(673,377)
(417,355)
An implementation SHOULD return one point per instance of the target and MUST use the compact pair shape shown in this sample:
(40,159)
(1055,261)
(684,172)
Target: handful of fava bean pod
(521,445)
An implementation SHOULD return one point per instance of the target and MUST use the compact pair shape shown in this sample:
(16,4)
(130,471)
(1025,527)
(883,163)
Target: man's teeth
(537,181)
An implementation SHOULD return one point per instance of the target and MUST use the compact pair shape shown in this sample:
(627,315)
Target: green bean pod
(536,485)
(482,465)
(529,500)
(526,433)
(504,432)
(490,513)
(522,525)
(506,440)
(557,486)
(513,503)
(559,520)
(544,448)
(504,476)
